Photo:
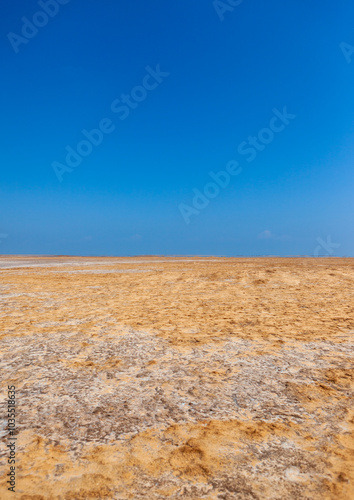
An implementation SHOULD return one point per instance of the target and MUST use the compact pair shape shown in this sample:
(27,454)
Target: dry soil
(193,378)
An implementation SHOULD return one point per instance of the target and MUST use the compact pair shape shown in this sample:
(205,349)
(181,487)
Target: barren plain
(194,378)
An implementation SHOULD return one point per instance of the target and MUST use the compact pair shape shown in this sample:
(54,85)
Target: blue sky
(134,193)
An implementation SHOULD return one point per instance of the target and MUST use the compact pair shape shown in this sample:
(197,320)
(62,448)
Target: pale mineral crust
(193,378)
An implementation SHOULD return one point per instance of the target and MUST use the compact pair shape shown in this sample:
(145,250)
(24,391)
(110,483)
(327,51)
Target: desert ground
(194,378)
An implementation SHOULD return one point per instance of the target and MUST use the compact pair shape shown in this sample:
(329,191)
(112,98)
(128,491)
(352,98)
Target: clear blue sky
(225,79)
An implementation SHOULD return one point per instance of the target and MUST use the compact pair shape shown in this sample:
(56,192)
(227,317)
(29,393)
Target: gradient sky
(225,78)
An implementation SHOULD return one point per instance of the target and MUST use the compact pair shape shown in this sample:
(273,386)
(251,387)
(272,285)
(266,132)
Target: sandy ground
(157,378)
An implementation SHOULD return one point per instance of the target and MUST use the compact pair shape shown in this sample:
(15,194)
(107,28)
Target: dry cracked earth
(191,378)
